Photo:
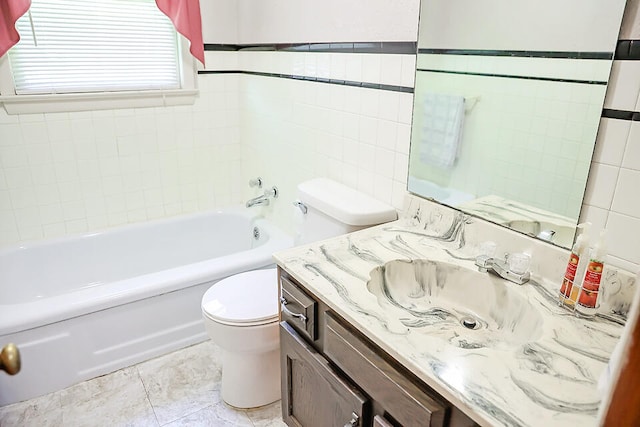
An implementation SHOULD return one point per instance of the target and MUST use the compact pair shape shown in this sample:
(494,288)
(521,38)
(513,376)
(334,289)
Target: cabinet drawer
(403,400)
(298,309)
(378,421)
(313,392)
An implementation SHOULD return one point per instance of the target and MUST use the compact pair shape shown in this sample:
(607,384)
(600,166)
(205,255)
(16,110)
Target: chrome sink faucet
(546,235)
(514,267)
(269,193)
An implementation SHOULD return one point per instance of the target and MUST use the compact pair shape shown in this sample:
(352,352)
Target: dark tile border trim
(628,50)
(404,89)
(221,47)
(405,48)
(625,50)
(521,53)
(621,114)
(546,79)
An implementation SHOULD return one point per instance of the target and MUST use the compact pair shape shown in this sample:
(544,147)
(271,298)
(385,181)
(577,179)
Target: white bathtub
(84,306)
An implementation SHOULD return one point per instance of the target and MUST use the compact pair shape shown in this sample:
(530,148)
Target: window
(95,54)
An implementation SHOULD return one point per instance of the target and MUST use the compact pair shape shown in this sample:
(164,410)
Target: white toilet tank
(334,209)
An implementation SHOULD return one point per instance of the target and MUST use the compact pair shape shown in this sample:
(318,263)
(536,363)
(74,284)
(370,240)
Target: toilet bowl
(240,314)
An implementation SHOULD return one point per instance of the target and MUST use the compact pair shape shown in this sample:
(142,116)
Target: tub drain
(469,323)
(256,233)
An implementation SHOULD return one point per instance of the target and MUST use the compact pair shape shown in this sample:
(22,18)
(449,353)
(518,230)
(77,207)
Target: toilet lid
(243,298)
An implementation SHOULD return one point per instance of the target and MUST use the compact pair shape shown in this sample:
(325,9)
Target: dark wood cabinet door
(406,402)
(313,393)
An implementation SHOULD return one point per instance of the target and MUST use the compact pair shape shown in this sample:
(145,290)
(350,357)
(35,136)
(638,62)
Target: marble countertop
(549,378)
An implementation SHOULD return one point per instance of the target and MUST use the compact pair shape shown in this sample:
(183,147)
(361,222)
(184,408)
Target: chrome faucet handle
(271,192)
(518,262)
(255,182)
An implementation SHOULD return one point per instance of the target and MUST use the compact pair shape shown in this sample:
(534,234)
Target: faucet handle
(255,182)
(485,260)
(518,262)
(271,192)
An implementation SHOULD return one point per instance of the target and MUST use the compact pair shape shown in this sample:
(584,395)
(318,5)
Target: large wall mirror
(508,99)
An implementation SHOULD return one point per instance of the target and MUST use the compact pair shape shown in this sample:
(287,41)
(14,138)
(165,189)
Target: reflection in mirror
(505,121)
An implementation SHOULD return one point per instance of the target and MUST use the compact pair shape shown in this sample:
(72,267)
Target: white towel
(441,129)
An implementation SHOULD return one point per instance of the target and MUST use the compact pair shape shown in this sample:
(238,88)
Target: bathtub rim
(235,209)
(15,318)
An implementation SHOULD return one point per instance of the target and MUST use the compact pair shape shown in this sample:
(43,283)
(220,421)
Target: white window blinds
(95,46)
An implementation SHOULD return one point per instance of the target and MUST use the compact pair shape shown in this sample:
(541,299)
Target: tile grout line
(146,392)
(246,413)
(186,415)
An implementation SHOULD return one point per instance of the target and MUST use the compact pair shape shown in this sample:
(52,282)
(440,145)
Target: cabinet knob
(355,420)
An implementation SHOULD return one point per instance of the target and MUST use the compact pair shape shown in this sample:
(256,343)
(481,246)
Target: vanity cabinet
(408,404)
(314,393)
(334,376)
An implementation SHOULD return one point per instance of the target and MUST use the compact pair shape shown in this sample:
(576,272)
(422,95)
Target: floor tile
(87,390)
(118,400)
(218,415)
(183,382)
(179,389)
(267,416)
(42,411)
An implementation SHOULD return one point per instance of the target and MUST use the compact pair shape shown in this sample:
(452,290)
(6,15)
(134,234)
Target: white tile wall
(514,19)
(624,86)
(67,173)
(518,160)
(284,21)
(309,116)
(631,157)
(615,133)
(64,173)
(612,200)
(389,69)
(295,130)
(601,186)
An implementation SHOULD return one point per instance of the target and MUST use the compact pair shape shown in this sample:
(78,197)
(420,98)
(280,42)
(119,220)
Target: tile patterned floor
(178,389)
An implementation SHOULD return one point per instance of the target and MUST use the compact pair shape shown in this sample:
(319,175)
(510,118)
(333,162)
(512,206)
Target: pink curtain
(10,11)
(185,15)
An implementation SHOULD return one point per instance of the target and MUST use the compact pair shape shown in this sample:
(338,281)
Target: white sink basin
(469,308)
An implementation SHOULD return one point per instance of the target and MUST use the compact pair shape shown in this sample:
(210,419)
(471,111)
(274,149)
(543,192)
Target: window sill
(29,104)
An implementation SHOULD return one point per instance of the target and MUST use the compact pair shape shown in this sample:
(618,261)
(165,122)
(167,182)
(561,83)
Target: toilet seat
(245,299)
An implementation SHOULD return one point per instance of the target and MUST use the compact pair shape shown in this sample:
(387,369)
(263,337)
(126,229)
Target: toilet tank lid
(343,203)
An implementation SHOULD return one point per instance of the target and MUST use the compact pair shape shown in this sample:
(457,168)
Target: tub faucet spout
(270,193)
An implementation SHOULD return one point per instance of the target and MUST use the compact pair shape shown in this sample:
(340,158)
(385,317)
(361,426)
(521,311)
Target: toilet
(240,312)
